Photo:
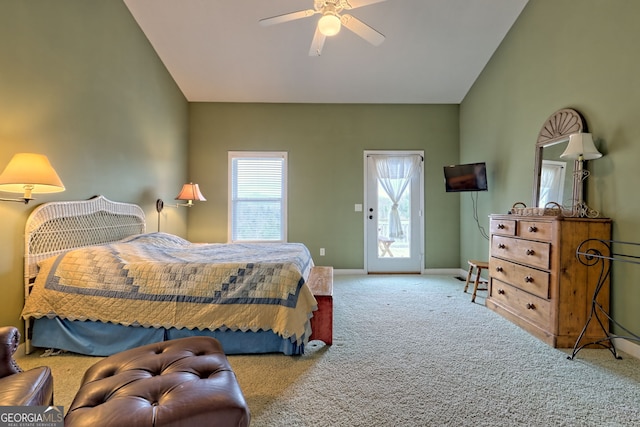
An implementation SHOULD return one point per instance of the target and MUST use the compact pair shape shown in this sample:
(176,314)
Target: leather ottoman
(182,382)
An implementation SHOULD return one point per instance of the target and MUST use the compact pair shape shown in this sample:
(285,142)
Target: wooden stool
(479,265)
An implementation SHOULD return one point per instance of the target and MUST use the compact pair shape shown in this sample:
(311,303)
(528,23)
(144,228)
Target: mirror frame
(556,129)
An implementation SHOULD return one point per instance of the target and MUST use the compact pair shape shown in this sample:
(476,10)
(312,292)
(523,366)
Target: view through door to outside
(394,212)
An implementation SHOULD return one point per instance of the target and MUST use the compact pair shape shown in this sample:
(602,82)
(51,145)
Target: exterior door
(394,241)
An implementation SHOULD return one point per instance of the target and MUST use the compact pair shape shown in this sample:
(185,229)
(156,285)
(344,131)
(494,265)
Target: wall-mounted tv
(467,177)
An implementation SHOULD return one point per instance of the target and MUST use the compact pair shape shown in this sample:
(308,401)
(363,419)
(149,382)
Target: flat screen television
(467,177)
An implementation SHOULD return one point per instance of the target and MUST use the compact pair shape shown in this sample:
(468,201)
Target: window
(257,196)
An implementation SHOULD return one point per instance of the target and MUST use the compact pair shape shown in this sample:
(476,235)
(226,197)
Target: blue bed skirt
(104,339)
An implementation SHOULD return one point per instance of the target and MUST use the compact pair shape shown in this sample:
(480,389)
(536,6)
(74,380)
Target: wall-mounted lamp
(189,193)
(581,148)
(29,174)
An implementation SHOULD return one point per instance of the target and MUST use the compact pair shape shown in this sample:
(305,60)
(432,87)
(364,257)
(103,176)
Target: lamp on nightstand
(581,148)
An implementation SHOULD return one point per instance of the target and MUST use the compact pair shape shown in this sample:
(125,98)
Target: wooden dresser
(535,279)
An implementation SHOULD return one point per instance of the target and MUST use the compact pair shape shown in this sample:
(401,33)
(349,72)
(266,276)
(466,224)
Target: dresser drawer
(506,227)
(521,303)
(535,254)
(522,277)
(531,229)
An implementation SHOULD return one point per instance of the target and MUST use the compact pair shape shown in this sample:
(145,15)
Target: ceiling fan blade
(317,43)
(363,30)
(279,19)
(353,4)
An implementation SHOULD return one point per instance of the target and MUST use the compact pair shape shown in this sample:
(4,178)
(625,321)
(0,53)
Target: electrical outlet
(321,251)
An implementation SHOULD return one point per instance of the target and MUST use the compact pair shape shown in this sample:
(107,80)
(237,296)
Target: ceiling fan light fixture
(329,24)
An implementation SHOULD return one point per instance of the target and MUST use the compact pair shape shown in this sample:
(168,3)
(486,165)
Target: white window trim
(285,203)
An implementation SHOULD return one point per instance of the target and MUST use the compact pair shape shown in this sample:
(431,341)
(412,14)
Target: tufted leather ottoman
(182,382)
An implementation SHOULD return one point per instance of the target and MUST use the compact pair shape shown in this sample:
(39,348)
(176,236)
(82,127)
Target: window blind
(257,197)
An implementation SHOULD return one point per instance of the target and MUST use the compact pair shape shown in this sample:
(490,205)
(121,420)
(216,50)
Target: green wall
(80,83)
(563,53)
(326,169)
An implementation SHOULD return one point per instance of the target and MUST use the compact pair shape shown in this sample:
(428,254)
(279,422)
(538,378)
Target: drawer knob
(501,246)
(501,226)
(533,229)
(501,291)
(530,252)
(528,279)
(530,306)
(499,269)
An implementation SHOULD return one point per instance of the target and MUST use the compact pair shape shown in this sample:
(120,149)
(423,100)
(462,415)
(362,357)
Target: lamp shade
(581,144)
(191,191)
(329,25)
(30,173)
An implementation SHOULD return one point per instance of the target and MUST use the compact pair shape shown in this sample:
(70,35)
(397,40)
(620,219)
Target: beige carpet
(414,351)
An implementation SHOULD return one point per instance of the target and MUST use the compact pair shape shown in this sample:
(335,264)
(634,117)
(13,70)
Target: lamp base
(581,210)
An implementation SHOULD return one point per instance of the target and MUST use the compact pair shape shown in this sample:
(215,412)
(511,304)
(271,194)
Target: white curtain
(551,178)
(394,174)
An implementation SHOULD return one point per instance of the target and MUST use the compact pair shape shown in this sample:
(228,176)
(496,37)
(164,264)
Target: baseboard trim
(631,348)
(428,271)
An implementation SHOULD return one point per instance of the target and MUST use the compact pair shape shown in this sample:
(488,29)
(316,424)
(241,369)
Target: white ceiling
(217,52)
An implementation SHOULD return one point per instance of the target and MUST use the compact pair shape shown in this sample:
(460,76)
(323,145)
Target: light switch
(358,207)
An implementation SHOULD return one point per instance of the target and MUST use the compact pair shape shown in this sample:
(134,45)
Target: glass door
(394,204)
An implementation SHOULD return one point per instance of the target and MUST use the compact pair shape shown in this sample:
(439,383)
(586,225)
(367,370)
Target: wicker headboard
(56,227)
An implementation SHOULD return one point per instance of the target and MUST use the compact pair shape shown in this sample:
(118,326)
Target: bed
(96,283)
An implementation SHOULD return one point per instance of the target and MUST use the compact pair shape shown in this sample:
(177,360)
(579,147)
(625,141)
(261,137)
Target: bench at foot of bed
(321,285)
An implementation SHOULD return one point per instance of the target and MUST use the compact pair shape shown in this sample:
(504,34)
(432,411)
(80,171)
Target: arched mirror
(553,177)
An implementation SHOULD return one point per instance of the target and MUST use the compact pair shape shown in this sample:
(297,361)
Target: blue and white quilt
(161,280)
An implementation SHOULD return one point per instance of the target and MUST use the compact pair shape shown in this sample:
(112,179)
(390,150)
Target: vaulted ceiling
(217,51)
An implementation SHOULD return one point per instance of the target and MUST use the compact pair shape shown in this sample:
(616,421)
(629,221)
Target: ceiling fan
(331,21)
